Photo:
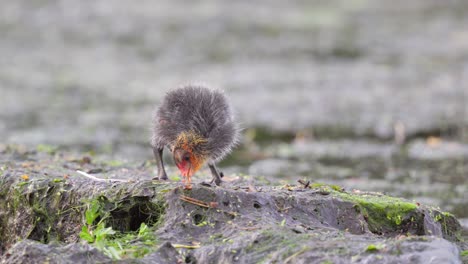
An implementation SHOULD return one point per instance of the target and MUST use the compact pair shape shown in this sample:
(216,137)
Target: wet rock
(416,250)
(237,222)
(29,251)
(432,170)
(166,253)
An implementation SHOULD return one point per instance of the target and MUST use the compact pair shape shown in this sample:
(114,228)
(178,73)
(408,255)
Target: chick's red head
(187,153)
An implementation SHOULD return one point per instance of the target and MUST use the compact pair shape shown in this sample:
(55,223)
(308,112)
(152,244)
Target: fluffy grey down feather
(199,109)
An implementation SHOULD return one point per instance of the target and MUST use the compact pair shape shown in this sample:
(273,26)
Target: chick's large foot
(216,175)
(207,184)
(216,180)
(162,177)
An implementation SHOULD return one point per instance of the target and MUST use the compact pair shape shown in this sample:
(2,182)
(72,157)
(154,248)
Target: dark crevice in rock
(129,214)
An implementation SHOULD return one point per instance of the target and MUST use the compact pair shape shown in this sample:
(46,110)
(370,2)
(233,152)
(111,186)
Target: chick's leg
(216,175)
(158,153)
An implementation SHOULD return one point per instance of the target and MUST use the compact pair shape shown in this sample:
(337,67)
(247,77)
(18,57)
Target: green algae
(115,244)
(40,200)
(374,248)
(113,163)
(447,221)
(50,210)
(382,213)
(49,149)
(324,186)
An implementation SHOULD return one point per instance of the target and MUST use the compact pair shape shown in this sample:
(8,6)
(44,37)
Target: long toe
(218,181)
(161,178)
(207,184)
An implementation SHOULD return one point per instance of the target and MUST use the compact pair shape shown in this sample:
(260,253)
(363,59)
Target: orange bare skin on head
(188,156)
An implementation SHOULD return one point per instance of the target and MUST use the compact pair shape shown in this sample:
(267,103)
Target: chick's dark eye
(187,158)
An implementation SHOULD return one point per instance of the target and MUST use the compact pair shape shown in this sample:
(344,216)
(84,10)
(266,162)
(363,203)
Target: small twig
(231,213)
(249,188)
(304,249)
(285,209)
(89,176)
(194,201)
(282,209)
(305,184)
(186,246)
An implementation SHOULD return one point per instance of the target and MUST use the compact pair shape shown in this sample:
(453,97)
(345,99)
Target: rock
(422,170)
(417,250)
(30,251)
(166,253)
(45,215)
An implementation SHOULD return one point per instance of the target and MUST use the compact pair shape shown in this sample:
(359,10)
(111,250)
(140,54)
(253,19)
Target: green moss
(447,214)
(134,244)
(174,177)
(374,248)
(40,201)
(114,163)
(283,222)
(324,185)
(121,227)
(464,253)
(119,245)
(114,243)
(382,213)
(46,148)
(215,238)
(450,226)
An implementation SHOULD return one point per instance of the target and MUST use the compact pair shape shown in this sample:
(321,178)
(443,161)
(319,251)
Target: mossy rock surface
(44,205)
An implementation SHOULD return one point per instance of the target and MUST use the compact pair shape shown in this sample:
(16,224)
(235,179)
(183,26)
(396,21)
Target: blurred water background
(369,95)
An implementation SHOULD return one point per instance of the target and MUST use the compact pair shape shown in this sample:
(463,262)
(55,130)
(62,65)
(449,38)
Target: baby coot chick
(196,123)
